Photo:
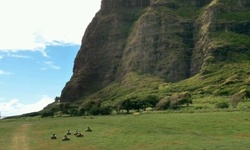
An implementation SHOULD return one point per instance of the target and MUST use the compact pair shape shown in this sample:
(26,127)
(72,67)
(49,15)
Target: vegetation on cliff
(144,53)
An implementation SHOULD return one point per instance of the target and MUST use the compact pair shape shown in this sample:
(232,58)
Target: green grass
(235,16)
(218,81)
(230,77)
(231,38)
(186,10)
(234,11)
(133,84)
(220,130)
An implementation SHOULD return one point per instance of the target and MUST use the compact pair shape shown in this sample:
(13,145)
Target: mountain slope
(158,47)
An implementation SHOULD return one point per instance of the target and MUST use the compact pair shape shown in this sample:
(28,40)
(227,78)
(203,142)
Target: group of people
(76,133)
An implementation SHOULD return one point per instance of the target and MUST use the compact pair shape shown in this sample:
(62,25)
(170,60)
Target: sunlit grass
(218,130)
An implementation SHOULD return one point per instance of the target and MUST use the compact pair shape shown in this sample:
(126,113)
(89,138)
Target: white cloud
(4,72)
(43,68)
(51,65)
(13,56)
(34,24)
(18,56)
(15,107)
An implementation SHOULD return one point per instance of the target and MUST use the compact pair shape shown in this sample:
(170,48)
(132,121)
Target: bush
(237,97)
(163,104)
(174,101)
(106,110)
(94,111)
(89,108)
(127,105)
(222,105)
(151,100)
(32,114)
(82,111)
(47,113)
(73,112)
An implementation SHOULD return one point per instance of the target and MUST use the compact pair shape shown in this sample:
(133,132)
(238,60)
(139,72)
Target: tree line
(125,105)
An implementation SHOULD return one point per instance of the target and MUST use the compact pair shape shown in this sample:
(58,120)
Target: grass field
(194,131)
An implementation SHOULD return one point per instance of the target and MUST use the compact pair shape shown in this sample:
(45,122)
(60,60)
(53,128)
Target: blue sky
(39,40)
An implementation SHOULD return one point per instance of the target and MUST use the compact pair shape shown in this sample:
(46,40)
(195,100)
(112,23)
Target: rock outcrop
(170,39)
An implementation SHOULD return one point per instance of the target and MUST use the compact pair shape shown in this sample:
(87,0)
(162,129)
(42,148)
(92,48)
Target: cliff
(156,42)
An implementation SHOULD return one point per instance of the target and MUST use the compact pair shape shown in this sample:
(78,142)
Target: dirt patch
(20,138)
(243,135)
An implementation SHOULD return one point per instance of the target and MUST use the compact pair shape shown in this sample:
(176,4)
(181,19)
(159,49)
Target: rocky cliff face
(170,39)
(112,4)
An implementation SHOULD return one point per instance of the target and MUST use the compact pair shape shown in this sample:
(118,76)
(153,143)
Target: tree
(222,105)
(174,101)
(151,100)
(94,110)
(163,104)
(138,105)
(185,98)
(47,113)
(106,110)
(57,99)
(135,102)
(90,107)
(82,111)
(142,102)
(127,105)
(237,97)
(118,107)
(73,112)
(64,107)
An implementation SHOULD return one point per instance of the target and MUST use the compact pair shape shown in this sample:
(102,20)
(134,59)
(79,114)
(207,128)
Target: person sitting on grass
(65,138)
(79,134)
(68,132)
(88,129)
(76,132)
(53,136)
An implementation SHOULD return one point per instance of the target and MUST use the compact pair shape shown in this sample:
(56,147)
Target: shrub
(222,105)
(82,111)
(127,105)
(174,101)
(247,91)
(94,111)
(237,97)
(73,112)
(151,100)
(163,104)
(118,107)
(90,107)
(105,110)
(32,114)
(47,113)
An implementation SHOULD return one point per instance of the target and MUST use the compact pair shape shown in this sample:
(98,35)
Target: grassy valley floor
(161,131)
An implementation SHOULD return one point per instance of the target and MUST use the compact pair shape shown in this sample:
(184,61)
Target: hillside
(134,49)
